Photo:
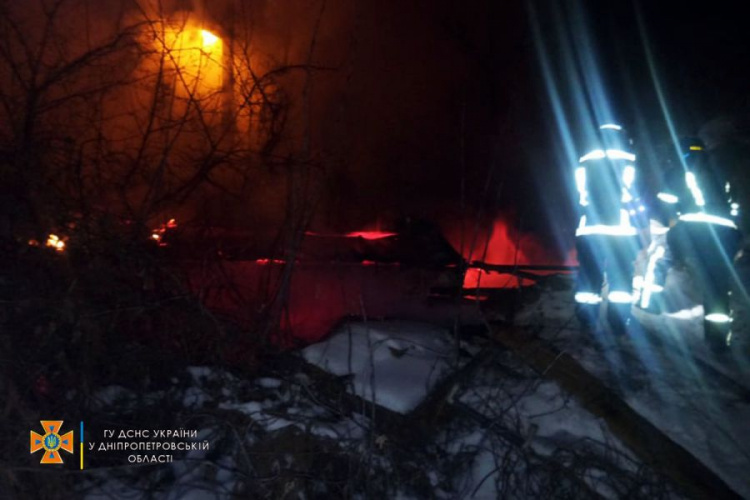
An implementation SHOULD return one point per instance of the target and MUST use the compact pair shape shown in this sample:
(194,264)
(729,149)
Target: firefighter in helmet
(607,235)
(703,236)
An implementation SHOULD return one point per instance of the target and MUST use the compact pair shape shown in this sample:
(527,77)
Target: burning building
(275,121)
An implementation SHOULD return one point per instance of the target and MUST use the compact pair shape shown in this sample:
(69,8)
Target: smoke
(394,106)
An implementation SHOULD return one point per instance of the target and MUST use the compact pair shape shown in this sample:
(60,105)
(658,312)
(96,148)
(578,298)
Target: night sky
(449,104)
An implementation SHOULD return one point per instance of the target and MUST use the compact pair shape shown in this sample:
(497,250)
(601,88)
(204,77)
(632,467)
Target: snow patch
(393,364)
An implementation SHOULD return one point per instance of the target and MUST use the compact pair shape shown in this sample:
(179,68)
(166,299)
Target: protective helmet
(612,141)
(614,136)
(693,150)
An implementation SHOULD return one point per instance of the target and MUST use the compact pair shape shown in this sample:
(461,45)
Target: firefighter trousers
(603,256)
(708,251)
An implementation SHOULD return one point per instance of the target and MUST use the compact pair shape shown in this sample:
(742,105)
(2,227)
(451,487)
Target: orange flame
(54,241)
(158,234)
(197,54)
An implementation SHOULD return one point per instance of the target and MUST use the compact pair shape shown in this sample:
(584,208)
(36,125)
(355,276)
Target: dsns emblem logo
(52,442)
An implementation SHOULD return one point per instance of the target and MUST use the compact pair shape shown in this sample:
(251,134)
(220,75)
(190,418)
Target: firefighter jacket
(605,181)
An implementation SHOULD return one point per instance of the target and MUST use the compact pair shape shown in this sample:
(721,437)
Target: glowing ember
(54,241)
(158,234)
(475,297)
(264,262)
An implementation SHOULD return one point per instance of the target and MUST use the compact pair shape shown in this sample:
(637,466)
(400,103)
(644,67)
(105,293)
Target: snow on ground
(394,364)
(550,424)
(512,434)
(529,415)
(660,379)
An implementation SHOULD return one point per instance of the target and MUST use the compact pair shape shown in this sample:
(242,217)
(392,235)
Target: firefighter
(607,233)
(648,285)
(703,236)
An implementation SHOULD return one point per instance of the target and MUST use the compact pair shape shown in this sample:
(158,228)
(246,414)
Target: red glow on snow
(264,262)
(365,235)
(475,297)
(370,235)
(479,278)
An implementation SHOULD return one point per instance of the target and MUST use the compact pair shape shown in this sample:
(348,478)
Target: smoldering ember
(374,249)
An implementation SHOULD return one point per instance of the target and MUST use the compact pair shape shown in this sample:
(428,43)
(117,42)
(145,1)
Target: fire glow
(158,234)
(198,56)
(370,235)
(365,235)
(502,245)
(54,241)
(476,278)
(264,262)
